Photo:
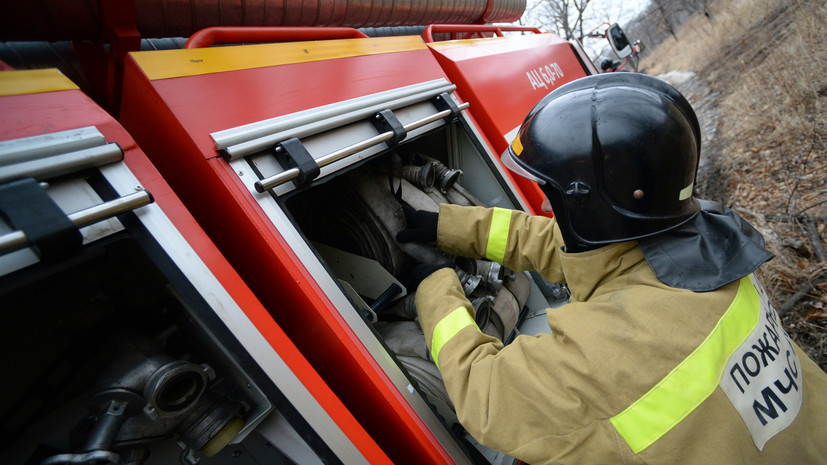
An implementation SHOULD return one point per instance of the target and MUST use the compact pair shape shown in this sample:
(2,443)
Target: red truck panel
(58,105)
(503,78)
(171,104)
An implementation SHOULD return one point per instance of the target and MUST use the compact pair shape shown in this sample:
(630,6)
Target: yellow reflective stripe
(695,379)
(447,328)
(498,234)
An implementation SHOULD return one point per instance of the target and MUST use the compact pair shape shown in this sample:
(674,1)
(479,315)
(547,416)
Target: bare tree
(565,17)
(666,20)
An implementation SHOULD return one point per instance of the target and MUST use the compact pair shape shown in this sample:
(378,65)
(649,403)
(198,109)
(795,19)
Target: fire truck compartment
(89,335)
(119,345)
(344,222)
(293,164)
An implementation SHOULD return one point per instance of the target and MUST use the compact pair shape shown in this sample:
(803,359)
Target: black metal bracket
(291,153)
(385,121)
(28,208)
(444,101)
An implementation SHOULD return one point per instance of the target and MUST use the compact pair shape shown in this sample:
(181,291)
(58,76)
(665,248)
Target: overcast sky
(598,11)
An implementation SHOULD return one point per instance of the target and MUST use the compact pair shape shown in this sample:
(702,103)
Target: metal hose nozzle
(445,177)
(422,176)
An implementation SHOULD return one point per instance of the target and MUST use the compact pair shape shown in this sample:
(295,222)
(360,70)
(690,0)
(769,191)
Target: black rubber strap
(385,121)
(28,208)
(444,101)
(395,170)
(291,153)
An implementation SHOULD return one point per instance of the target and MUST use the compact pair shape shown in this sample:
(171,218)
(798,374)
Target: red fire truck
(201,265)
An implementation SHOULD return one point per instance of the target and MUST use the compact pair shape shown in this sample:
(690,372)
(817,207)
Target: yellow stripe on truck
(33,81)
(695,379)
(447,328)
(164,64)
(498,234)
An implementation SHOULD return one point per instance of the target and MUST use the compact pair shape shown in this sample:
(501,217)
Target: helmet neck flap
(715,248)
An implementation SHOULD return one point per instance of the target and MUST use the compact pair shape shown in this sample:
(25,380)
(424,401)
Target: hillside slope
(762,63)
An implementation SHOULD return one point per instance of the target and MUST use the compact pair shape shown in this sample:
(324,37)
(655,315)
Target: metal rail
(257,35)
(473,29)
(47,145)
(241,141)
(292,173)
(49,166)
(17,239)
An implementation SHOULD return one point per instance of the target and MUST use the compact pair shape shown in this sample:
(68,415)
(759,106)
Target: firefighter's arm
(482,379)
(455,342)
(511,237)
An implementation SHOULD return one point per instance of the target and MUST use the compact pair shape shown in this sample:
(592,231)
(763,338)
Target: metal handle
(18,240)
(471,29)
(238,35)
(288,175)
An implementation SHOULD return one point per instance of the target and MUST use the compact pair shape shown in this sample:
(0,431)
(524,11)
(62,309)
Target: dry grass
(767,60)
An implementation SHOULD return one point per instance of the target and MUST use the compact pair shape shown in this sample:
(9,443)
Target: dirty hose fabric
(634,371)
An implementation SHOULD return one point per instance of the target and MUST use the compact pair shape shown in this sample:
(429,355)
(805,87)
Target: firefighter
(669,351)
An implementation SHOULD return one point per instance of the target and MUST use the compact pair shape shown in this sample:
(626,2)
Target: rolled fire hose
(417,199)
(406,340)
(374,192)
(506,309)
(519,284)
(454,196)
(497,315)
(348,223)
(363,204)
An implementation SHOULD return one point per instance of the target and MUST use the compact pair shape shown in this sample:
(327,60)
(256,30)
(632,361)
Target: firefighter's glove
(421,226)
(418,273)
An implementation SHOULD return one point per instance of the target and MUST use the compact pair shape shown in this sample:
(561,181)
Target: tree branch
(802,292)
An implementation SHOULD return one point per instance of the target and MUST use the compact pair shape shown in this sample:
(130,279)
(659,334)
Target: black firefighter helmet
(616,155)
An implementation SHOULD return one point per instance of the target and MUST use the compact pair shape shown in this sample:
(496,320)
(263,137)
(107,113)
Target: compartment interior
(107,351)
(351,219)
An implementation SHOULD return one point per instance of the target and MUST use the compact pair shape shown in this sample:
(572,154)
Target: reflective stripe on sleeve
(694,379)
(498,234)
(447,328)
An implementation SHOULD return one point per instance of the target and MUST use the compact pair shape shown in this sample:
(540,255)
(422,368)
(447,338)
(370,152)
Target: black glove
(421,226)
(417,274)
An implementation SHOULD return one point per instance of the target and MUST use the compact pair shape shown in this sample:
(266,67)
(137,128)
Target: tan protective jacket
(634,372)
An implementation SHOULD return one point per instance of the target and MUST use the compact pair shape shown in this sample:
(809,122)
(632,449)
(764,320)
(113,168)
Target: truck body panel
(219,134)
(178,268)
(503,78)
